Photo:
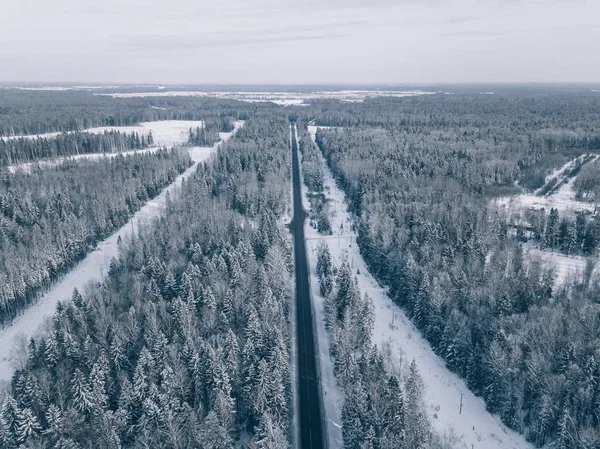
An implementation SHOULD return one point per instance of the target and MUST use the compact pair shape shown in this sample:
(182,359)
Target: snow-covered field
(563,199)
(566,266)
(92,268)
(281,98)
(166,133)
(474,427)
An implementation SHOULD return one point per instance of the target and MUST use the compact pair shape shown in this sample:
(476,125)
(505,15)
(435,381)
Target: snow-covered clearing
(566,266)
(92,268)
(166,133)
(474,427)
(562,199)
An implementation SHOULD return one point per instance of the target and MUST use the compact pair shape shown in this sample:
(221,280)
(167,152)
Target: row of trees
(314,179)
(425,231)
(587,183)
(208,134)
(379,409)
(50,219)
(185,343)
(567,234)
(16,151)
(40,112)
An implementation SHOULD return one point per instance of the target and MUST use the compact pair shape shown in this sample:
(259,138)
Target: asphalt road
(309,390)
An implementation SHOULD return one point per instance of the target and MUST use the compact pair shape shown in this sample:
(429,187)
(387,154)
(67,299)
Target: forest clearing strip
(15,337)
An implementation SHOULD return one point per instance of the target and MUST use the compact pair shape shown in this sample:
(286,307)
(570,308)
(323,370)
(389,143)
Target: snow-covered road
(474,427)
(92,268)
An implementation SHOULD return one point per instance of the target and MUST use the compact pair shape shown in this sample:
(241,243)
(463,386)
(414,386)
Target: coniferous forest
(16,151)
(189,341)
(51,218)
(419,184)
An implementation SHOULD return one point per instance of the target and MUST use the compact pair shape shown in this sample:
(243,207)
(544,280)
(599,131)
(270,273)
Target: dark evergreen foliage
(51,218)
(185,343)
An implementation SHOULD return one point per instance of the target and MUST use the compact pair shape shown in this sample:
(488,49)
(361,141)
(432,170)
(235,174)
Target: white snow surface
(167,133)
(475,428)
(566,266)
(95,265)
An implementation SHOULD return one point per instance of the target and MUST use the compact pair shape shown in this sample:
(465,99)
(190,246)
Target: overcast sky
(299,41)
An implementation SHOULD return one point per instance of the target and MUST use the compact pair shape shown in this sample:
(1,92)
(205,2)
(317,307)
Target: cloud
(463,19)
(224,39)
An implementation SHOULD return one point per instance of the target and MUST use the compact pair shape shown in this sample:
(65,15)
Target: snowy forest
(464,208)
(185,343)
(16,151)
(50,219)
(418,184)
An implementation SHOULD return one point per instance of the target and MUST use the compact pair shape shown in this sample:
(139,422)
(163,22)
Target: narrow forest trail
(452,407)
(92,268)
(309,410)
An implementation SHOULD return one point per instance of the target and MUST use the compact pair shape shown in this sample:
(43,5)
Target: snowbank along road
(92,268)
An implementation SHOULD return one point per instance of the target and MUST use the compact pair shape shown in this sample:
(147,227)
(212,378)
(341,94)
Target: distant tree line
(208,134)
(15,151)
(36,112)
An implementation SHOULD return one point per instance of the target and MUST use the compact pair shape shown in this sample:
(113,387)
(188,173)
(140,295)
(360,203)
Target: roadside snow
(333,396)
(92,268)
(475,427)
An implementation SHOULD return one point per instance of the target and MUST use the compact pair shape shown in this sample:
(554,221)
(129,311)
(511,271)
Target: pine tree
(417,426)
(55,422)
(213,435)
(270,434)
(354,412)
(27,425)
(563,435)
(81,392)
(10,413)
